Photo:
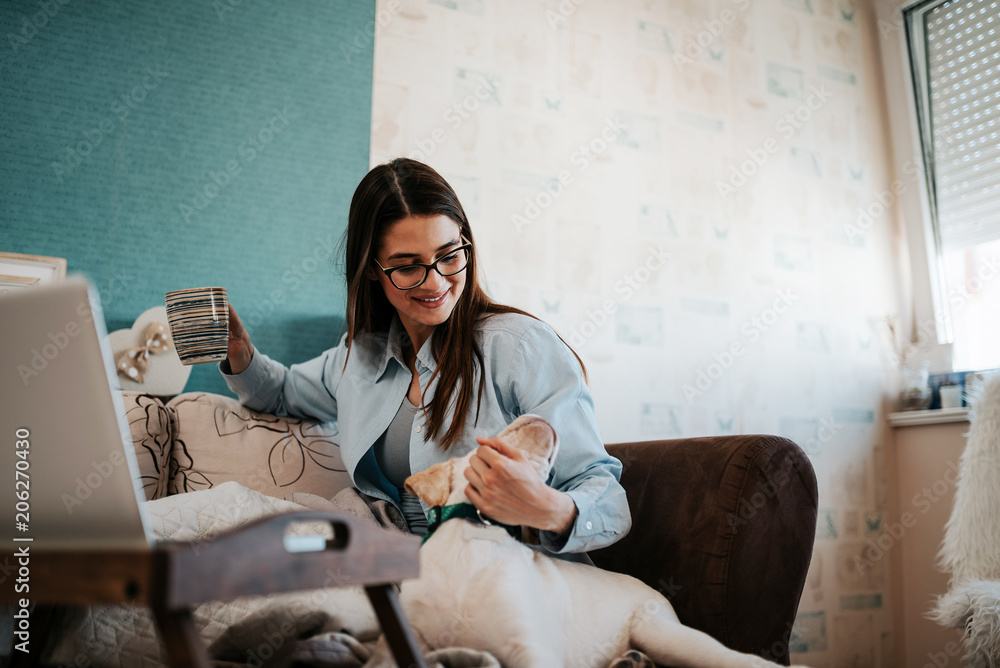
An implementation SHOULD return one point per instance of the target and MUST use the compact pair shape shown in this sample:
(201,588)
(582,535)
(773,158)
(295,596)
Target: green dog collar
(438,515)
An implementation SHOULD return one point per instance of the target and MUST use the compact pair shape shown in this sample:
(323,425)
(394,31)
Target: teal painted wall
(163,145)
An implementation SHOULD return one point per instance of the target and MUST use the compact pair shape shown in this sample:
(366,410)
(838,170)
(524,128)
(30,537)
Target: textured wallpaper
(166,145)
(676,188)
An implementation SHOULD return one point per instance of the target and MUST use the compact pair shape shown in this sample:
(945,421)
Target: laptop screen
(67,464)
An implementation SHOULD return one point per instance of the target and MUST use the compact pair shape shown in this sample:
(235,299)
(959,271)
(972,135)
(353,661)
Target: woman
(430,365)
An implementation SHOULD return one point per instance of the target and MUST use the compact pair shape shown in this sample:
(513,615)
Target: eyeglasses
(410,276)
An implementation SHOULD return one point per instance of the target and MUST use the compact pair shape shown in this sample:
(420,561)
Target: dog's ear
(535,438)
(432,485)
(538,441)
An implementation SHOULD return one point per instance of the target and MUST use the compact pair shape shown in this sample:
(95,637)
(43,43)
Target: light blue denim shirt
(528,370)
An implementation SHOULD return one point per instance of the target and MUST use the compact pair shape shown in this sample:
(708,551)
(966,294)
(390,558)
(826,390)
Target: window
(954,49)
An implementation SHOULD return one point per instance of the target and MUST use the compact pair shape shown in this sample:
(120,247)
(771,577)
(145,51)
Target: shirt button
(590,525)
(418,429)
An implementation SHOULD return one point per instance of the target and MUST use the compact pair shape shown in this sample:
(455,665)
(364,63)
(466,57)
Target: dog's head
(444,484)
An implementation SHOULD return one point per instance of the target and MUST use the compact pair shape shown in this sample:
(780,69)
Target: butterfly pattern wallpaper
(673,186)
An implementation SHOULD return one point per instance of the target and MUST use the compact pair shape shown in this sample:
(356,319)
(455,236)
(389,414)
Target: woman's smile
(422,239)
(432,301)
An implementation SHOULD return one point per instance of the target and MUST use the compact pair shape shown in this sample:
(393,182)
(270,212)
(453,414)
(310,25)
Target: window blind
(963,77)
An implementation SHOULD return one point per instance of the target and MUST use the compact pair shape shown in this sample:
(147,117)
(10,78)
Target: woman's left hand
(505,487)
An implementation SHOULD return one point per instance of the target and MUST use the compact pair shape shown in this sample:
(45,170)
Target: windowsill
(936,416)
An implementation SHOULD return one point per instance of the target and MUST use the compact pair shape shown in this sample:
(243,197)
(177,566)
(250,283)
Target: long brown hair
(389,193)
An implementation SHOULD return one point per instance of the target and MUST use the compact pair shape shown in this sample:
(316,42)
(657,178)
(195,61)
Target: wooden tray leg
(396,628)
(179,638)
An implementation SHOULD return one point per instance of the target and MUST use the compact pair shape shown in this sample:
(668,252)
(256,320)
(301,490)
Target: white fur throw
(974,605)
(970,552)
(971,547)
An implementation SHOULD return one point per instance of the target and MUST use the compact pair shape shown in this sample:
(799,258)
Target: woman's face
(421,239)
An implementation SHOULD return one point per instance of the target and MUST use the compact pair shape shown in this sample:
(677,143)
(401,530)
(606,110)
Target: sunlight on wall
(676,187)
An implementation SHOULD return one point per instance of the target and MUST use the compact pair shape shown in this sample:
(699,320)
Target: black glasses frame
(427,267)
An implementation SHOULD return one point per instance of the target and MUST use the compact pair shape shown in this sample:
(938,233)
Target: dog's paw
(633,659)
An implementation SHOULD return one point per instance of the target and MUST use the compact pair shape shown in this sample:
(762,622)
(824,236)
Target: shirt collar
(394,350)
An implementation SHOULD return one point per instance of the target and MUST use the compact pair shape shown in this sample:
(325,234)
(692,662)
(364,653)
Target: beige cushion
(217,440)
(151,428)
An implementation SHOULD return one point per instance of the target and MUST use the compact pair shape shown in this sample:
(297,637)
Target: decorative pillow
(164,374)
(151,427)
(217,440)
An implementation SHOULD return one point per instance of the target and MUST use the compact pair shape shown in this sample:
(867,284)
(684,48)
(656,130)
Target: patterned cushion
(217,440)
(152,429)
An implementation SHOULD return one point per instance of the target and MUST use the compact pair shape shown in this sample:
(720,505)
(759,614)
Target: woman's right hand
(240,349)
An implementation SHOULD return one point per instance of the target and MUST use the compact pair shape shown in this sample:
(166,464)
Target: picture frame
(19,271)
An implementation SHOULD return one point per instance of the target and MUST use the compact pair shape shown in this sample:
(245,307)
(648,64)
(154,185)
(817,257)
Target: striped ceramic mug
(199,324)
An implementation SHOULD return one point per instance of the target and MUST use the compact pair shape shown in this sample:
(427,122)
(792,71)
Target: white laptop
(68,472)
(69,478)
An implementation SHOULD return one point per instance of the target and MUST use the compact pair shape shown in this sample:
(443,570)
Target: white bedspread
(327,628)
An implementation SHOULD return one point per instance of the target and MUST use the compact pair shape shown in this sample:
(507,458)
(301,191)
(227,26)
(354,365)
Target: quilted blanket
(328,628)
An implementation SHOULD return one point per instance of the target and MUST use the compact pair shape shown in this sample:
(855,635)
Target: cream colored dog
(480,588)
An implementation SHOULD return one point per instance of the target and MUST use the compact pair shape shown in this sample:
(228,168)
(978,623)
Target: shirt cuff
(227,370)
(580,537)
(250,379)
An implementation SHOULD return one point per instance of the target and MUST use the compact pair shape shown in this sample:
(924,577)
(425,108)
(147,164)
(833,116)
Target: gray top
(392,449)
(392,453)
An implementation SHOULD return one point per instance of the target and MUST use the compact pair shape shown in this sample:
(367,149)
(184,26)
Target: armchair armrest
(724,527)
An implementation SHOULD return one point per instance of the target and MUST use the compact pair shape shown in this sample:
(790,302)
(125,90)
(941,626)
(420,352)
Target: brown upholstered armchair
(724,527)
